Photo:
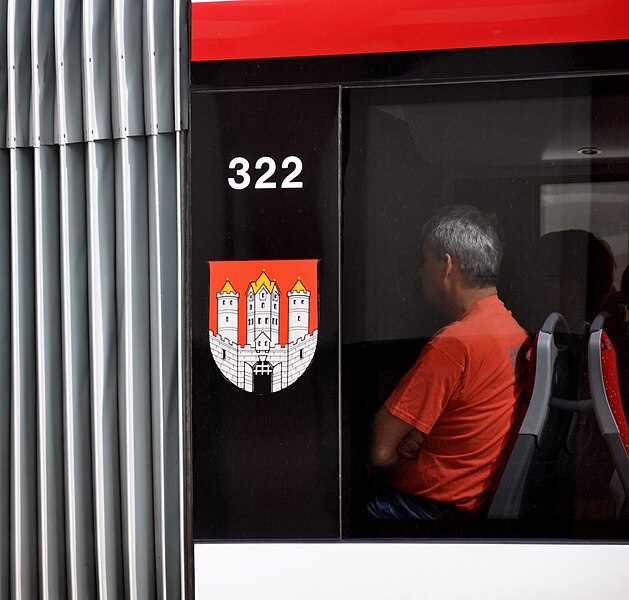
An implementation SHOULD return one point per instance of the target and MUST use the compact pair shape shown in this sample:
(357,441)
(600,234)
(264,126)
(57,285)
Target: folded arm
(393,439)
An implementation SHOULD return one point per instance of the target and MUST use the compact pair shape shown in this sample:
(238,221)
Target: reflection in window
(601,208)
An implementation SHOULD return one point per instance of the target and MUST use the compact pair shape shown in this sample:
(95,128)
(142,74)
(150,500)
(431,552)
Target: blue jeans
(389,504)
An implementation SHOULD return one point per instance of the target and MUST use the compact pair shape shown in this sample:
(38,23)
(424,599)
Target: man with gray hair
(446,428)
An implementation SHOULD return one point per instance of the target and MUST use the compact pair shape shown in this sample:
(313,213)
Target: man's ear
(448,264)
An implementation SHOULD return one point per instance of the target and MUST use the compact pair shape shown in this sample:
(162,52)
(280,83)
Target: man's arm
(393,439)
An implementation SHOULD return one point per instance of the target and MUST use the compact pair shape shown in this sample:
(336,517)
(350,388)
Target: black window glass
(550,159)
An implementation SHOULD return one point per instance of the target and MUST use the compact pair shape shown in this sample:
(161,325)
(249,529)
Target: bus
(322,136)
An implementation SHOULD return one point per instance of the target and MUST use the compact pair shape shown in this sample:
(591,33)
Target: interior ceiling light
(589,151)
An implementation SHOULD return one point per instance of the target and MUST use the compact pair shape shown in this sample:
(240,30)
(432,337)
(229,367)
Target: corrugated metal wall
(93,110)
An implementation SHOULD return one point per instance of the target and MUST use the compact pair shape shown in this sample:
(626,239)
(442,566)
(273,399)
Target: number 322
(243,179)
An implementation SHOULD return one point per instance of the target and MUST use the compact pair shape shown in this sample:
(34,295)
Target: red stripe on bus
(281,28)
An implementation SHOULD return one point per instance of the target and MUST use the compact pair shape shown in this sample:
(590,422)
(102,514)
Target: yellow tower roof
(299,286)
(228,288)
(262,280)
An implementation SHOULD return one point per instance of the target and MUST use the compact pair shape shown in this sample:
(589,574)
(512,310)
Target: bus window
(514,149)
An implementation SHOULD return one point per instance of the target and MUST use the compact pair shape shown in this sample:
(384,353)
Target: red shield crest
(263,321)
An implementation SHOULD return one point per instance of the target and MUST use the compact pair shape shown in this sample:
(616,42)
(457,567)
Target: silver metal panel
(5,371)
(19,72)
(3,72)
(49,384)
(149,55)
(43,73)
(126,64)
(103,367)
(159,93)
(91,445)
(96,32)
(68,69)
(162,187)
(24,563)
(181,63)
(76,375)
(181,359)
(132,268)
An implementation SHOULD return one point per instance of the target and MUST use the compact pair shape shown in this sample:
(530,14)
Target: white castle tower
(228,312)
(298,311)
(263,310)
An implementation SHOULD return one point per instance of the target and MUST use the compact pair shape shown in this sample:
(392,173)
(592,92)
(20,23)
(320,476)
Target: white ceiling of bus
(517,132)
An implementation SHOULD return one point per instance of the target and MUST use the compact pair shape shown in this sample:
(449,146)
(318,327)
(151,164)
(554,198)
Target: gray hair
(471,238)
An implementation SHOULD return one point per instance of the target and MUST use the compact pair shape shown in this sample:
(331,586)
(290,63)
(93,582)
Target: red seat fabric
(609,369)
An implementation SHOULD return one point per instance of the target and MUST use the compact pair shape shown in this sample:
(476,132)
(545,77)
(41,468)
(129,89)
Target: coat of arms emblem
(263,321)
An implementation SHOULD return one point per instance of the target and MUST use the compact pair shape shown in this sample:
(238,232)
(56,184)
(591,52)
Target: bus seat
(608,408)
(508,497)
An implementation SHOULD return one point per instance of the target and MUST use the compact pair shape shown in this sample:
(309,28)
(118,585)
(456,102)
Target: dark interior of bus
(550,157)
(547,153)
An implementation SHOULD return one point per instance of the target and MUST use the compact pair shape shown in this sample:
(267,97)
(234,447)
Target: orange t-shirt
(464,393)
